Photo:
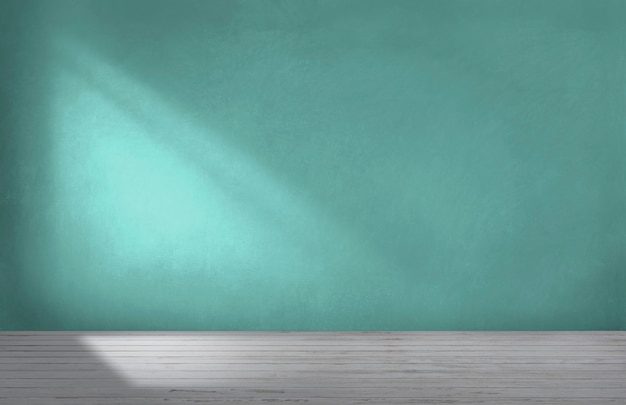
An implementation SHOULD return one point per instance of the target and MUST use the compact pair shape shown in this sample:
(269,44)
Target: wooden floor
(327,368)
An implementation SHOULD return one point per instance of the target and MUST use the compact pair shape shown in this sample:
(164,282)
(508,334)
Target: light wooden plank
(78,347)
(57,363)
(427,374)
(309,353)
(415,392)
(9,362)
(269,343)
(316,401)
(339,368)
(279,337)
(468,382)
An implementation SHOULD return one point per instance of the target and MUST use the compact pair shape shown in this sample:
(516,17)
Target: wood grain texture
(339,368)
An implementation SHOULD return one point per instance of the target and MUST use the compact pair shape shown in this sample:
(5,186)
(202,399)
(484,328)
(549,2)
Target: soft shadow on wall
(325,165)
(23,154)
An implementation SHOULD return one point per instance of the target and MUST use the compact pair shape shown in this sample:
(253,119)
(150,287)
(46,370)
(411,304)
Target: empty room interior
(323,202)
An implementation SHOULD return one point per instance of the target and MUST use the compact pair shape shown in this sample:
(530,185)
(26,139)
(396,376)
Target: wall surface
(320,164)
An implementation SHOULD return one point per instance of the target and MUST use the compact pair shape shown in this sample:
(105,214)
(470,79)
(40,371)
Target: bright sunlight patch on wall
(146,192)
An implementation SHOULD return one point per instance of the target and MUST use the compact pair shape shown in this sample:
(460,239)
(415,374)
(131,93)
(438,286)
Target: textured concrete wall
(331,164)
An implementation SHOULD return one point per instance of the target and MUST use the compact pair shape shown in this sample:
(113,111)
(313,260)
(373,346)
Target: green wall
(319,164)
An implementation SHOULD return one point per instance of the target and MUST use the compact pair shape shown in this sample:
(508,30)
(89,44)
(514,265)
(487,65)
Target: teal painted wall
(322,164)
